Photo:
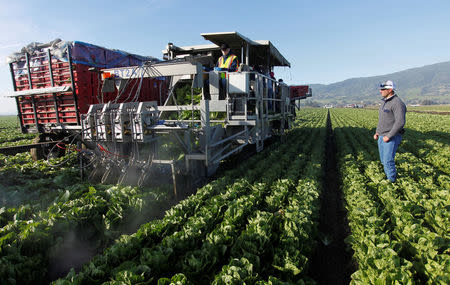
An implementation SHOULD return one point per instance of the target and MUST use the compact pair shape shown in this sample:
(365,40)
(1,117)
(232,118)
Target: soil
(332,261)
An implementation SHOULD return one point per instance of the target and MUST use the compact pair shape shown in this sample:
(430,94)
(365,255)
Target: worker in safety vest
(228,61)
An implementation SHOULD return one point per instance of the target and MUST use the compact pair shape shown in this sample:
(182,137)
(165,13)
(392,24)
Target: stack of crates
(299,91)
(53,92)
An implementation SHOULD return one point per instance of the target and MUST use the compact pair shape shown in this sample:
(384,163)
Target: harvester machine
(139,119)
(206,116)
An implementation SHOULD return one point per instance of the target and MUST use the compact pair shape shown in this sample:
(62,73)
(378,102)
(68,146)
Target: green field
(10,133)
(398,231)
(257,223)
(431,108)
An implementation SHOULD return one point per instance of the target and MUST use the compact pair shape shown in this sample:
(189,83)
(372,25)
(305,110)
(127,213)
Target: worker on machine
(227,62)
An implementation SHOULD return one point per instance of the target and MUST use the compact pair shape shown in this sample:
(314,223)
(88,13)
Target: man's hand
(385,139)
(375,136)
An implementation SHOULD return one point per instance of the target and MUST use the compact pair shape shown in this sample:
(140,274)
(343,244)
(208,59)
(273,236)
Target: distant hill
(430,82)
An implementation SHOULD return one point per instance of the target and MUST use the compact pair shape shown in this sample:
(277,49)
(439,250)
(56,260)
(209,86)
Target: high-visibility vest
(227,62)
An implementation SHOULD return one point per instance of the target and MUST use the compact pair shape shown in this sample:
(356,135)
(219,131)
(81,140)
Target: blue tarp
(83,53)
(97,56)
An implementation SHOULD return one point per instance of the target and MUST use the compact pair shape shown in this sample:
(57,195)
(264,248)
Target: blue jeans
(387,153)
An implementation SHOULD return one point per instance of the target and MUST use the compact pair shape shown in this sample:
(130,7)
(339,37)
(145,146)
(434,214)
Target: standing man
(391,120)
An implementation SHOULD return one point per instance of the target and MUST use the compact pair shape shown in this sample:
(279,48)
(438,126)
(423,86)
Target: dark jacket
(391,117)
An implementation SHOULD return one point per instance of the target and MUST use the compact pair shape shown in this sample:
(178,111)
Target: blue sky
(325,41)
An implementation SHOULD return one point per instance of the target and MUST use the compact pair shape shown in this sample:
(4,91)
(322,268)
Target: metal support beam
(230,153)
(228,138)
(174,179)
(247,55)
(74,91)
(204,116)
(156,70)
(50,69)
(30,84)
(11,150)
(27,57)
(19,110)
(33,102)
(179,108)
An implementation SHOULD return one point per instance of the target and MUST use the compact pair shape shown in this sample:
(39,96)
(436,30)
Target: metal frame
(253,108)
(214,141)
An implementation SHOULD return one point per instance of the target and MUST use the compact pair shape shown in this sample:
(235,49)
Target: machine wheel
(44,152)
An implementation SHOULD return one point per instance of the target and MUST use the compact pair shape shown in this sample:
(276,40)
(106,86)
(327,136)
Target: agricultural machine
(138,118)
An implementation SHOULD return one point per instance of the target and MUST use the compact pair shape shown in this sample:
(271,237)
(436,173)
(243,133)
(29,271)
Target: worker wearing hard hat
(389,131)
(228,61)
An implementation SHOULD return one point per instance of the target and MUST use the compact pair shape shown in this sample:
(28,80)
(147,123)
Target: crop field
(259,222)
(10,132)
(399,231)
(431,108)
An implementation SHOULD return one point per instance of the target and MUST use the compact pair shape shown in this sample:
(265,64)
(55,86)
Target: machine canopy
(261,52)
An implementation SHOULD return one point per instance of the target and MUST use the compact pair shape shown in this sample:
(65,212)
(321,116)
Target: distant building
(354,106)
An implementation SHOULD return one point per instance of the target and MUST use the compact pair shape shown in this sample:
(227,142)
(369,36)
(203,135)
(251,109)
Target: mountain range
(429,84)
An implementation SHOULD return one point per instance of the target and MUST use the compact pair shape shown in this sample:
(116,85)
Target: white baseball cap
(389,84)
